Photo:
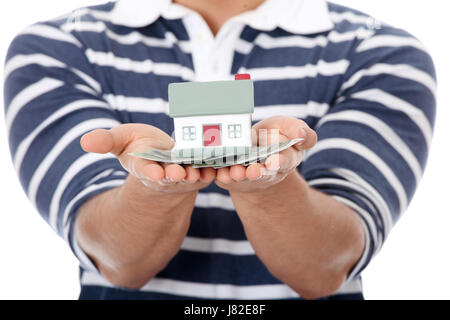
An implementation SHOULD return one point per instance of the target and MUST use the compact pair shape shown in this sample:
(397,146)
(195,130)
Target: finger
(279,162)
(207,175)
(255,171)
(237,172)
(223,175)
(192,174)
(174,172)
(285,160)
(142,168)
(275,162)
(151,170)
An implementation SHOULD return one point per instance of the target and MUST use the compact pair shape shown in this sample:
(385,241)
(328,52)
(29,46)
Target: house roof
(187,99)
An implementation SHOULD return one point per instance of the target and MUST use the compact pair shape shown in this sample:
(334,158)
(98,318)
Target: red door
(211,135)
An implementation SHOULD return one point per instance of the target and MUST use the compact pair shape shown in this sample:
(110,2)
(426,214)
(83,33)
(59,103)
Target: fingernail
(303,134)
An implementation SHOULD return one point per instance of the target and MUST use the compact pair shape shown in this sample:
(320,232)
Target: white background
(414,263)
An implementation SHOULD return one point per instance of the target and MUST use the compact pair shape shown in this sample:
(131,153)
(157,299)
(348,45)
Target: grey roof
(188,99)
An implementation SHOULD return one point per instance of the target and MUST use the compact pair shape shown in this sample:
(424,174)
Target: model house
(213,115)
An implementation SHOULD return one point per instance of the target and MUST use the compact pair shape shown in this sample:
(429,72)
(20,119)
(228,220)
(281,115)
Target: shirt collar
(296,16)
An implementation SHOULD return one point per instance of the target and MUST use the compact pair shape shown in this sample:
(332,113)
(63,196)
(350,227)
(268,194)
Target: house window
(234,131)
(189,133)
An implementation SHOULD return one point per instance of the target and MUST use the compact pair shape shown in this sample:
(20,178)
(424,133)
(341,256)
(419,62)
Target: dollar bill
(218,159)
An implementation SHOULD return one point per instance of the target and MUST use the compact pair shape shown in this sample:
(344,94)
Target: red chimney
(241,76)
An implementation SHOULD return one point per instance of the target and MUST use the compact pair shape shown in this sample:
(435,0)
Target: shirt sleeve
(52,98)
(374,140)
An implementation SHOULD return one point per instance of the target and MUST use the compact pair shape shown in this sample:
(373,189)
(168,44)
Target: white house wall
(224,120)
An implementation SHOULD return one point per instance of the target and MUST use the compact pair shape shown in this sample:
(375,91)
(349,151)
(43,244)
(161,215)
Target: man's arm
(305,238)
(133,231)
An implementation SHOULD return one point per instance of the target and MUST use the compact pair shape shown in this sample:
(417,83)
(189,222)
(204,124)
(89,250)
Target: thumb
(292,128)
(97,141)
(117,139)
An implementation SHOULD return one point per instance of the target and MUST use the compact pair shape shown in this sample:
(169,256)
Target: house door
(211,135)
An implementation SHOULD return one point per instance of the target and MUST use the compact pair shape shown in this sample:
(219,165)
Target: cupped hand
(258,176)
(127,138)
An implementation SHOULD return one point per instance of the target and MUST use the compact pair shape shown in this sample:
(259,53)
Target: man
(305,226)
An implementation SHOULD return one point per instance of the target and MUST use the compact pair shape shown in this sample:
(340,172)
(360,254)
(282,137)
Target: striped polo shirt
(367,88)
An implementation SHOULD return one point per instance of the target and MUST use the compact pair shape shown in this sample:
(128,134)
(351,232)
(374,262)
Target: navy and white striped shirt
(368,89)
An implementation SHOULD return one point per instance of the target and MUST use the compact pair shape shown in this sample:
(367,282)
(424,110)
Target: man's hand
(277,167)
(128,138)
(132,232)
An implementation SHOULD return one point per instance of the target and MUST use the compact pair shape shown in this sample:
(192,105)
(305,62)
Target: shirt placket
(212,56)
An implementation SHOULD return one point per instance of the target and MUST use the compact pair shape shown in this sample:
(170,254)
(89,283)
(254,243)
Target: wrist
(275,197)
(285,186)
(137,199)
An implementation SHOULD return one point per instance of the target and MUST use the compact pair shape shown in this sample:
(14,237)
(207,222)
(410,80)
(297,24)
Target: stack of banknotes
(217,157)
